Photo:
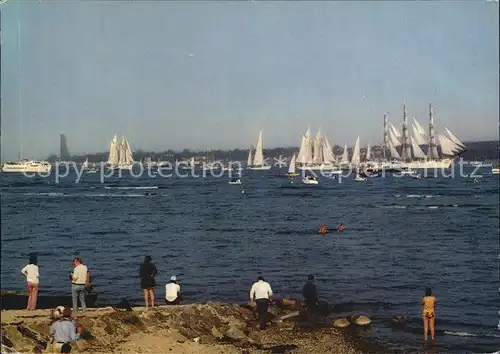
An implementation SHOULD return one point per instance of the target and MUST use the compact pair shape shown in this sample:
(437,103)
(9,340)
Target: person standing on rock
(147,272)
(172,292)
(311,298)
(33,279)
(79,279)
(262,293)
(63,332)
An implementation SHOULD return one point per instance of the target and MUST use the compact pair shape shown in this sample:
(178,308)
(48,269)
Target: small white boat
(310,180)
(495,171)
(416,176)
(408,172)
(359,178)
(235,181)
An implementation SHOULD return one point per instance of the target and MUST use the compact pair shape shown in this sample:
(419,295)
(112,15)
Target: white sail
(302,156)
(417,151)
(454,139)
(258,159)
(355,153)
(418,128)
(129,158)
(249,160)
(393,140)
(121,159)
(368,152)
(318,149)
(448,147)
(327,151)
(395,131)
(417,136)
(345,155)
(305,156)
(86,163)
(113,152)
(291,167)
(394,153)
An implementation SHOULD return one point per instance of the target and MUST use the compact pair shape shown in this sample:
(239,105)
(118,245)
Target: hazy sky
(210,74)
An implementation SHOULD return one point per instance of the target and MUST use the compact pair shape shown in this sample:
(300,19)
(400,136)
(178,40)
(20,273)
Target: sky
(204,75)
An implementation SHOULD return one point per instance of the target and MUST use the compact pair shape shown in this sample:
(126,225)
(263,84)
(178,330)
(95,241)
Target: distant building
(64,152)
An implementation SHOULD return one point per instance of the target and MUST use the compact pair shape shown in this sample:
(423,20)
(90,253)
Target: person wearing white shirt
(33,279)
(78,280)
(172,292)
(261,293)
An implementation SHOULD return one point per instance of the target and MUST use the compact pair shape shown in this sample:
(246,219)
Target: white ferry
(27,166)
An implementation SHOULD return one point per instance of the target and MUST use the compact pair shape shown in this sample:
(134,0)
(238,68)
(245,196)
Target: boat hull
(319,168)
(26,168)
(422,165)
(260,168)
(18,301)
(309,181)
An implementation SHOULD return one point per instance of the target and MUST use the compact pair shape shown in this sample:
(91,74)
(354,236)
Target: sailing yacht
(291,168)
(317,154)
(258,162)
(120,155)
(412,154)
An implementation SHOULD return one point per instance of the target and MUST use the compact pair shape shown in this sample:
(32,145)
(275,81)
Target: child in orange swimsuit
(428,313)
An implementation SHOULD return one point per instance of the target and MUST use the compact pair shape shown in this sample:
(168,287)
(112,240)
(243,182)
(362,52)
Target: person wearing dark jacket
(311,298)
(147,272)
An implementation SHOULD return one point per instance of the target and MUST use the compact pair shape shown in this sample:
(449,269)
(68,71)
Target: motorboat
(27,166)
(235,181)
(310,180)
(359,178)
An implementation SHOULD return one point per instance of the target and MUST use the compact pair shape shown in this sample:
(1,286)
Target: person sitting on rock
(172,292)
(64,331)
(311,298)
(261,293)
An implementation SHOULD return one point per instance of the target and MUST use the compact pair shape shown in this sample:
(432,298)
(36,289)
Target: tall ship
(27,166)
(315,154)
(120,154)
(420,149)
(258,162)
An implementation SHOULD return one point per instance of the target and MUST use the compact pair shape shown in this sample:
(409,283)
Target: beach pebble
(361,320)
(341,323)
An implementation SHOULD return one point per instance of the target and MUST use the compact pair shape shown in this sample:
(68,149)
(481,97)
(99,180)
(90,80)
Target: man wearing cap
(64,331)
(172,292)
(262,293)
(311,298)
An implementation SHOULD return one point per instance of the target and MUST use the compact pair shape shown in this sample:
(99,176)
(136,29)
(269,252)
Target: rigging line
(19,78)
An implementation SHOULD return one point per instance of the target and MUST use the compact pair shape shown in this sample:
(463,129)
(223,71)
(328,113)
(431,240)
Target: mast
(432,149)
(20,81)
(386,138)
(405,153)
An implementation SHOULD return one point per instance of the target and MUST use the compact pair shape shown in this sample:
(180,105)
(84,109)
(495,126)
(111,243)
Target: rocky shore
(195,328)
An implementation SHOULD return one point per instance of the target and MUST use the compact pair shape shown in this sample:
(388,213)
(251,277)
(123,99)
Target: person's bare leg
(30,295)
(426,328)
(432,324)
(146,297)
(152,294)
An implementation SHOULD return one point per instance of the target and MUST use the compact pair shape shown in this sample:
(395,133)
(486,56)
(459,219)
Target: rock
(361,320)
(216,333)
(207,339)
(399,321)
(235,334)
(341,323)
